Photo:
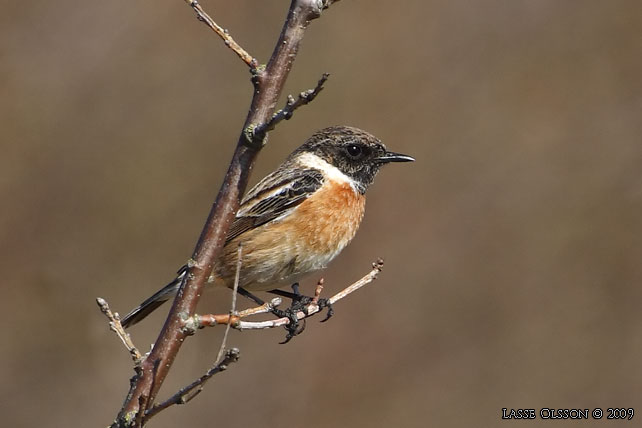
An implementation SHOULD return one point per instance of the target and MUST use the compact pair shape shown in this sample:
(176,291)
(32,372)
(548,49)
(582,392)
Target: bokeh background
(513,245)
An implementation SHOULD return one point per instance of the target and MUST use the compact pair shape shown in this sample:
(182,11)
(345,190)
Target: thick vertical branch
(268,85)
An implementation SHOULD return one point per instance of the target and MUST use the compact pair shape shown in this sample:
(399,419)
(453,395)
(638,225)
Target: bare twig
(210,320)
(291,104)
(263,309)
(317,291)
(368,278)
(223,34)
(190,391)
(237,277)
(116,327)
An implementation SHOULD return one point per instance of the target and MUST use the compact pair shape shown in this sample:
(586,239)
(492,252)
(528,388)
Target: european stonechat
(298,218)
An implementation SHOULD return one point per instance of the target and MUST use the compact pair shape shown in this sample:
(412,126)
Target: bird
(298,218)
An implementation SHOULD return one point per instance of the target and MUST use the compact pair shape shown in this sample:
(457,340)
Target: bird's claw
(325,303)
(299,303)
(294,327)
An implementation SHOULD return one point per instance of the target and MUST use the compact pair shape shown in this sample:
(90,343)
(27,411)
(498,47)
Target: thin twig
(263,309)
(317,292)
(210,320)
(237,278)
(116,327)
(190,391)
(367,279)
(223,34)
(291,104)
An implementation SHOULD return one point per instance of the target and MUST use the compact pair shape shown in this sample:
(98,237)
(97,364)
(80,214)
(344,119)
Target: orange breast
(329,219)
(280,252)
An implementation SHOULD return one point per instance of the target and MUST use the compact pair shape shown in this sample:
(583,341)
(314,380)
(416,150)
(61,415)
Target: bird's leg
(295,295)
(300,301)
(295,289)
(284,293)
(243,292)
(294,327)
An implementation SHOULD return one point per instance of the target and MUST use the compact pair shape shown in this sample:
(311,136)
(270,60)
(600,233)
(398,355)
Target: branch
(268,82)
(286,112)
(210,320)
(187,393)
(237,278)
(223,34)
(116,327)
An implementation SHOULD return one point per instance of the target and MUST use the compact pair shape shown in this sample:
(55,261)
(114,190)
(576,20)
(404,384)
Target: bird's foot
(325,303)
(295,326)
(299,303)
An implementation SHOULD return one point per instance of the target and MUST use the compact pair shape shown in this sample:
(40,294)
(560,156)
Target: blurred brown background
(513,245)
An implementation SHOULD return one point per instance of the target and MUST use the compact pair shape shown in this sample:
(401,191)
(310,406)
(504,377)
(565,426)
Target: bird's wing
(275,196)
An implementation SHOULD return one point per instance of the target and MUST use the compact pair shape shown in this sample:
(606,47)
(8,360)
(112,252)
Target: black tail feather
(153,302)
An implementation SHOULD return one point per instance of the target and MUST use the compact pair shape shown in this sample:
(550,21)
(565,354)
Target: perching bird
(298,218)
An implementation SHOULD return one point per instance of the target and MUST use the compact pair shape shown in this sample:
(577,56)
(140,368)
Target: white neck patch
(330,171)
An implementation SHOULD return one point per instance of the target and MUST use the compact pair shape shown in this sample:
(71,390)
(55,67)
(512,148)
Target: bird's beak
(394,157)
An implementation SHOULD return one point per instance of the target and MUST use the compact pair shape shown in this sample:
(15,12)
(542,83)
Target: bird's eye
(354,150)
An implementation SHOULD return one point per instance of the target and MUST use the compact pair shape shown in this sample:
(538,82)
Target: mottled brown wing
(271,199)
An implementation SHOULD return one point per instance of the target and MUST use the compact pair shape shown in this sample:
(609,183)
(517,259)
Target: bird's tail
(153,302)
